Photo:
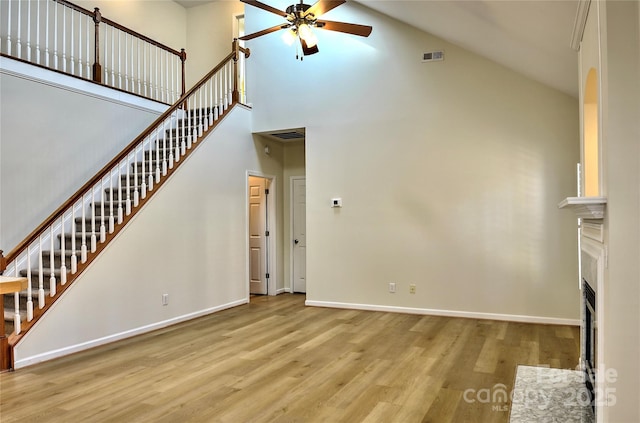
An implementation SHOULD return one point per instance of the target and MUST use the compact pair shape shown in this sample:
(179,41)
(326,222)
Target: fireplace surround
(590,212)
(592,262)
(589,336)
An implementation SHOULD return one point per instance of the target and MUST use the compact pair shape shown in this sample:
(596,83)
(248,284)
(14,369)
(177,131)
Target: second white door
(299,199)
(258,244)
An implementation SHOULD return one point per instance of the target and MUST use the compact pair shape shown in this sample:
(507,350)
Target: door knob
(295,241)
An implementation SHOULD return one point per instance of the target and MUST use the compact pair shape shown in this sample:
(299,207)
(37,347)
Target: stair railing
(56,252)
(62,36)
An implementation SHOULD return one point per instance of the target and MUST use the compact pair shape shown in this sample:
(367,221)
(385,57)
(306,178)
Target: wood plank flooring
(274,360)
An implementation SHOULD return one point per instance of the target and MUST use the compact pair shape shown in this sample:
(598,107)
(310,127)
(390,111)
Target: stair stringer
(188,241)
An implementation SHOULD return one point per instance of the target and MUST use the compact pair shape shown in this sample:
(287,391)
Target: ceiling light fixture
(302,19)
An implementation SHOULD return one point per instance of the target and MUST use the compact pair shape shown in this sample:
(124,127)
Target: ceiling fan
(301,18)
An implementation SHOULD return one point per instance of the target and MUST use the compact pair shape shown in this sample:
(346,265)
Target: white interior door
(257,235)
(299,242)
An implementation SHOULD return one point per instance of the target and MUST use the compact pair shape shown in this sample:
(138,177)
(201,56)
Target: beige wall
(450,172)
(620,38)
(209,35)
(161,20)
(46,119)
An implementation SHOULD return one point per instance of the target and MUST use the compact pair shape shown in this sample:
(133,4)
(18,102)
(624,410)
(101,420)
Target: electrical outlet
(392,287)
(412,289)
(165,299)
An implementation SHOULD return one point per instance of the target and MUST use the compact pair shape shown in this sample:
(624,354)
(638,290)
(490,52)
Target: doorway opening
(261,234)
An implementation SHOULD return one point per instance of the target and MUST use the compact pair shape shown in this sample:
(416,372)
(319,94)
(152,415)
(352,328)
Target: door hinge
(266,233)
(266,191)
(267,276)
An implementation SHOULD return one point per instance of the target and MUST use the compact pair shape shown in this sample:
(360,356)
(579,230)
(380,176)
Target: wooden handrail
(126,151)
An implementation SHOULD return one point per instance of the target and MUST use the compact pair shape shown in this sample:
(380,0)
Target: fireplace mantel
(585,207)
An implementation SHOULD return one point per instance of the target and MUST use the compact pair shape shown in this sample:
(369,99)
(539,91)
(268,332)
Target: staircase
(47,271)
(62,247)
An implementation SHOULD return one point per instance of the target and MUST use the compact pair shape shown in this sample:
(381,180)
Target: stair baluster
(9,27)
(72,59)
(111,198)
(41,299)
(28,31)
(83,234)
(211,103)
(103,228)
(74,256)
(143,185)
(112,223)
(55,36)
(38,33)
(29,287)
(136,194)
(215,98)
(63,254)
(19,40)
(171,156)
(52,265)
(93,244)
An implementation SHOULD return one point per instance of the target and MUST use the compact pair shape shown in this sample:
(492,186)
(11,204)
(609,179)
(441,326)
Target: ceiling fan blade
(264,32)
(266,7)
(349,28)
(323,6)
(307,51)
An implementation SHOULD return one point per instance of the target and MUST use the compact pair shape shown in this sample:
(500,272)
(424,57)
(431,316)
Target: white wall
(189,242)
(56,133)
(620,38)
(450,172)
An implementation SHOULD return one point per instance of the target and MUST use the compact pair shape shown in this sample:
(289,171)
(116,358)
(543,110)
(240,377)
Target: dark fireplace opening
(590,339)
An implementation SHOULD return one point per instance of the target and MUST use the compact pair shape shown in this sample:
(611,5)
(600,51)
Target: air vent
(289,135)
(433,56)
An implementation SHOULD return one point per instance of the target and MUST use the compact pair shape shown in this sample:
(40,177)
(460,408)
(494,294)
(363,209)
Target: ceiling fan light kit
(301,18)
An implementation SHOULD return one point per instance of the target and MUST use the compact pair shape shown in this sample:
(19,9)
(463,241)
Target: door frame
(291,211)
(271,222)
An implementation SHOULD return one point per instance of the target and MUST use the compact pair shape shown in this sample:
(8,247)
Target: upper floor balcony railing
(61,36)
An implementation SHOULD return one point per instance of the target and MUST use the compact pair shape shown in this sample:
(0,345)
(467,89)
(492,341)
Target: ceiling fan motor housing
(297,9)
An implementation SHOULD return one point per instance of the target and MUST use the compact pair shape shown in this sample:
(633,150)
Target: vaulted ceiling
(528,36)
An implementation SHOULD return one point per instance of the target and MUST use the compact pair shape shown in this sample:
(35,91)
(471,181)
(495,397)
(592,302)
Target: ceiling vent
(433,56)
(294,135)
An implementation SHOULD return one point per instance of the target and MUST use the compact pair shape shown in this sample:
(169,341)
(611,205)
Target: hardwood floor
(274,360)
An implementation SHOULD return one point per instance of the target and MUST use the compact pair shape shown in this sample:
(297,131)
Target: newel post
(3,262)
(183,58)
(97,69)
(235,46)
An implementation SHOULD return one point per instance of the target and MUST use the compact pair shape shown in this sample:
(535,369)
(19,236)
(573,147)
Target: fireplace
(590,212)
(589,338)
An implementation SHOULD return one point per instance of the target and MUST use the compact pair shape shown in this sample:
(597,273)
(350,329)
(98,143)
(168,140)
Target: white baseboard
(447,313)
(28,361)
